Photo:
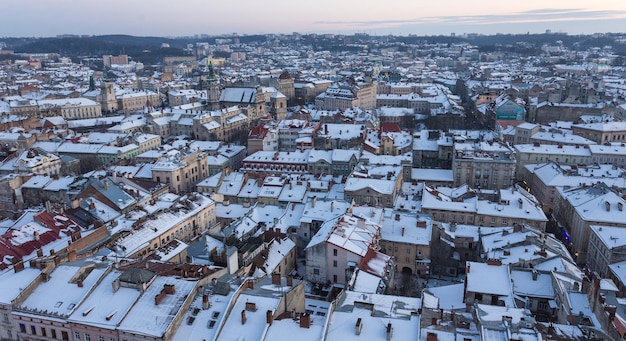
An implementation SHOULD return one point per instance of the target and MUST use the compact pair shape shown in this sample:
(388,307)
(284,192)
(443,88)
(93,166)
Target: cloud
(531,16)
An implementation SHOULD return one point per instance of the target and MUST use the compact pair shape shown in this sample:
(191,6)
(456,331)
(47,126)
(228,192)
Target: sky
(46,18)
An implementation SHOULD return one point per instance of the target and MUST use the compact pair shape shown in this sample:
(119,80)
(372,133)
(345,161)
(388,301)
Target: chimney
(517,227)
(397,217)
(276,279)
(358,326)
(620,206)
(18,266)
(169,289)
(116,285)
(92,206)
(608,206)
(71,256)
(243,316)
(313,201)
(289,281)
(467,270)
(39,253)
(494,262)
(403,232)
(79,283)
(521,203)
(431,337)
(250,306)
(36,235)
(205,302)
(52,252)
(106,185)
(305,320)
(534,275)
(269,317)
(389,332)
(159,297)
(250,284)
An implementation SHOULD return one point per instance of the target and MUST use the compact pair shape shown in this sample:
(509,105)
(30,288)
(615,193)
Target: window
(5,317)
(334,263)
(43,331)
(65,336)
(53,333)
(334,278)
(335,252)
(87,337)
(100,338)
(77,336)
(33,330)
(316,271)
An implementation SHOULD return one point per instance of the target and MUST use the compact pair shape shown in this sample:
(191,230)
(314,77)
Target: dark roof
(137,276)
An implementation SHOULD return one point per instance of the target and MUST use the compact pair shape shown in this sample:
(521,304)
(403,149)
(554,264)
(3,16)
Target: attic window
(58,304)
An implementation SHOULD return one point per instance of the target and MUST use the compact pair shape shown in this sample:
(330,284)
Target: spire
(212,76)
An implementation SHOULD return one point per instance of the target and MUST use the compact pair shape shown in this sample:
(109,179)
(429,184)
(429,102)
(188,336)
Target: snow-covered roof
(161,316)
(105,307)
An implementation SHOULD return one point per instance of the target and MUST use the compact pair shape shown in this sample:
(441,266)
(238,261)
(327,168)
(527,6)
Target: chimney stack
(358,326)
(276,279)
(305,320)
(389,332)
(243,316)
(18,265)
(269,317)
(206,304)
(431,337)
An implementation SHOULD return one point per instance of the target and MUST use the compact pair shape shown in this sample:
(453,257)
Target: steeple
(213,89)
(212,77)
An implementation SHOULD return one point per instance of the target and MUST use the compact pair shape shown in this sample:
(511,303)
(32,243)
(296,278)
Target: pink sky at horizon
(188,17)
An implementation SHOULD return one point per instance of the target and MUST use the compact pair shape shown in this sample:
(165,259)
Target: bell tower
(107,92)
(213,89)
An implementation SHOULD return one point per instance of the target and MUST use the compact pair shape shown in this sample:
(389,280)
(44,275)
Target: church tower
(107,92)
(213,89)
(279,106)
